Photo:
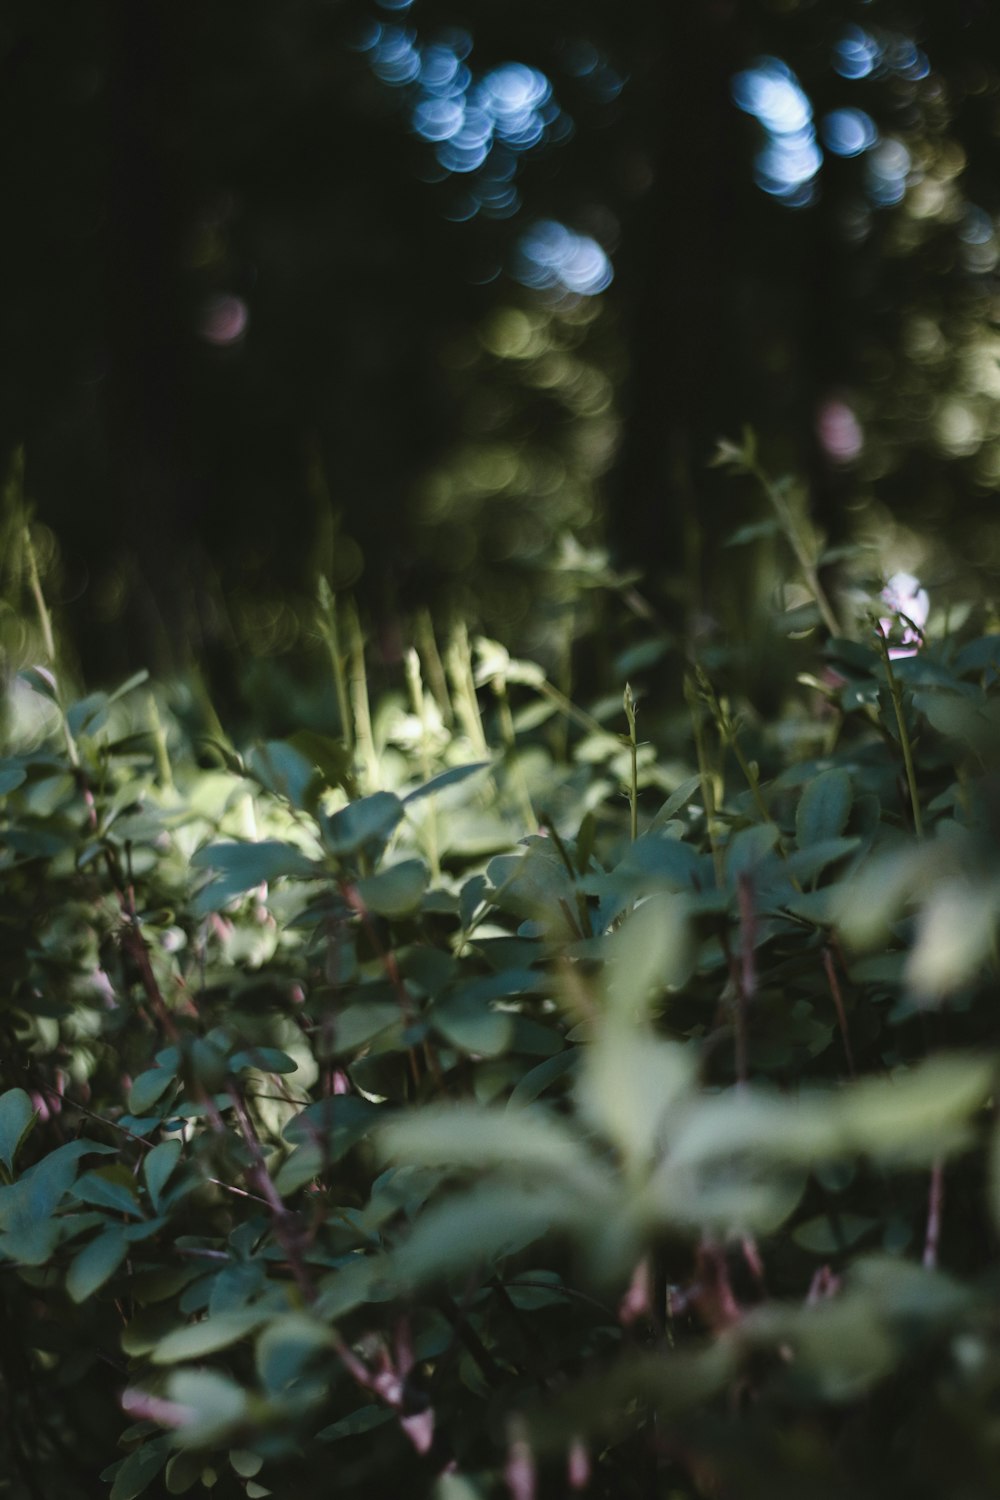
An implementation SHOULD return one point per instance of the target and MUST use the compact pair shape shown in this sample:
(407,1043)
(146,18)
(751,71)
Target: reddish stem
(935,1208)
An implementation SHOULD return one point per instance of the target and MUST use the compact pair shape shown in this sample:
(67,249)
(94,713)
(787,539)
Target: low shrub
(432,1112)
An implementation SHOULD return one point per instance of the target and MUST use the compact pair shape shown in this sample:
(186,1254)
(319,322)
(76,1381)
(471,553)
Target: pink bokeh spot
(224,320)
(839,431)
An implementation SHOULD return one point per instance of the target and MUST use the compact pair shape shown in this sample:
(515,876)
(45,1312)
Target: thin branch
(935,1209)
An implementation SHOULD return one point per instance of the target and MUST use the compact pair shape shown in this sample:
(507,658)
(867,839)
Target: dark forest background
(450,303)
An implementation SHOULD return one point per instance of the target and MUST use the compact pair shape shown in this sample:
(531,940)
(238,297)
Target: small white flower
(910,605)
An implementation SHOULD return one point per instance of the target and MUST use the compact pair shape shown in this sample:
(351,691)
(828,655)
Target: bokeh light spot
(856,54)
(848,132)
(478,124)
(888,166)
(839,431)
(224,320)
(786,166)
(552,257)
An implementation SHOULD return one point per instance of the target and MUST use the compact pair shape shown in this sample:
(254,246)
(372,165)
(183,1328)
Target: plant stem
(705,775)
(419,702)
(790,526)
(633,791)
(364,738)
(35,585)
(904,734)
(330,632)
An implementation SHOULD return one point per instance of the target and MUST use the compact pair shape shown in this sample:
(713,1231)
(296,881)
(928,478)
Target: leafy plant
(435,1109)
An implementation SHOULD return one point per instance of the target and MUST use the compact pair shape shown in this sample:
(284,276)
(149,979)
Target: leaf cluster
(422,1110)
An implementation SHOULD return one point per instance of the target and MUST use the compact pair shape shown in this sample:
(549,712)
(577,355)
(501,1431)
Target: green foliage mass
(436,1112)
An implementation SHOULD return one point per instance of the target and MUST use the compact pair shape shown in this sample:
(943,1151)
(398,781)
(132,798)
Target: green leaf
(470,1231)
(31,1244)
(129,685)
(629,1080)
(397,891)
(824,808)
(139,1470)
(365,822)
(456,1487)
(678,797)
(445,779)
(830,1235)
(956,937)
(806,864)
(338,1122)
(285,1348)
(363,1279)
(148,1088)
(38,1192)
(305,1163)
(208,1336)
(472,1026)
(461,1135)
(214,1406)
(11,777)
(252,864)
(919,1115)
(284,770)
(109,1187)
(365,1419)
(648,954)
(748,850)
(534,1083)
(157,1167)
(183,1471)
(265,1059)
(331,757)
(17,1116)
(41,681)
(357,1024)
(96,1264)
(245,1462)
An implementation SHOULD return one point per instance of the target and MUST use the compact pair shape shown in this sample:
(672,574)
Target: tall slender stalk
(364,738)
(633,744)
(896,693)
(419,701)
(798,539)
(330,631)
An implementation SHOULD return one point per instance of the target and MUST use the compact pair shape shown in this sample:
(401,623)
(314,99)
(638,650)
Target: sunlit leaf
(253,864)
(956,935)
(648,954)
(452,777)
(213,1405)
(628,1082)
(473,1230)
(463,1136)
(368,821)
(397,891)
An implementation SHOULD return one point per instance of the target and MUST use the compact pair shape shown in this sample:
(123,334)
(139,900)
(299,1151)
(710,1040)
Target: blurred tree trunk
(676,264)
